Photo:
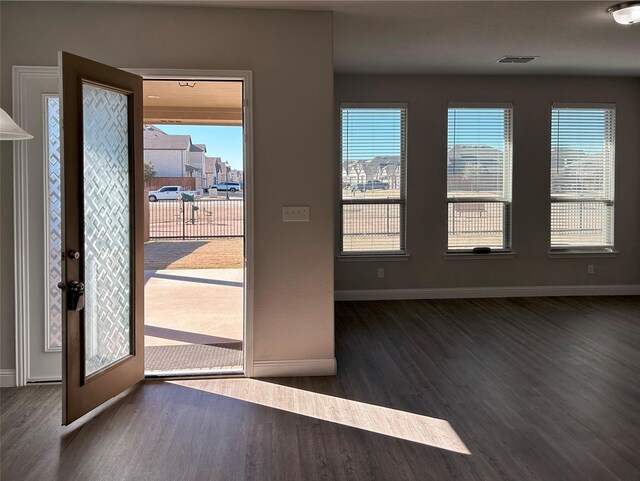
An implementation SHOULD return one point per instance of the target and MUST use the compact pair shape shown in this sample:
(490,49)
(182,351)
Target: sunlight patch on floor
(426,430)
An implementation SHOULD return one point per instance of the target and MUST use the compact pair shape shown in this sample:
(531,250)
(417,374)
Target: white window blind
(582,176)
(373,170)
(479,166)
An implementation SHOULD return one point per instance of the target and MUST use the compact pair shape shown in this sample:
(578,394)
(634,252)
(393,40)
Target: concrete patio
(193,306)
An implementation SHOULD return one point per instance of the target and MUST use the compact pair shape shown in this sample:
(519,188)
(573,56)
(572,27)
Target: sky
(367,133)
(221,141)
(468,126)
(371,132)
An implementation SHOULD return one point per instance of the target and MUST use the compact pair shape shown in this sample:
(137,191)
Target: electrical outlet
(295,213)
(380,272)
(591,269)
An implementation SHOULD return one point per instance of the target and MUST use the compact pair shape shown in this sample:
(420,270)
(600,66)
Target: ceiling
(467,37)
(211,102)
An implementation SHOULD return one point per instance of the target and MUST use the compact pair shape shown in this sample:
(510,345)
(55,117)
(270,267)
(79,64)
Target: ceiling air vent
(512,59)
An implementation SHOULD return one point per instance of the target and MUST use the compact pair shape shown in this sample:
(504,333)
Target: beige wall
(427,219)
(290,54)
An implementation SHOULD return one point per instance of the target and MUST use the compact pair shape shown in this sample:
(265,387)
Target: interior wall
(290,54)
(532,97)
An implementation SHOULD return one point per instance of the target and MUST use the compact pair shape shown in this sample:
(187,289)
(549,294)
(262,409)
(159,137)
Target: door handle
(75,296)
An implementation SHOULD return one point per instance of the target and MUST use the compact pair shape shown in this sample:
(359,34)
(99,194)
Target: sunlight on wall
(389,422)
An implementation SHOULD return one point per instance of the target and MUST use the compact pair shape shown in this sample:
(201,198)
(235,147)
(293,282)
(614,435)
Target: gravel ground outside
(223,253)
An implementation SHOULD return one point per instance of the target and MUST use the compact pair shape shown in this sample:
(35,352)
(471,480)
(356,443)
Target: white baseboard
(295,367)
(37,380)
(7,377)
(481,292)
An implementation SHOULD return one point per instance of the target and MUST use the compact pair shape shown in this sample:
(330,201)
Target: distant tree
(393,174)
(358,168)
(149,171)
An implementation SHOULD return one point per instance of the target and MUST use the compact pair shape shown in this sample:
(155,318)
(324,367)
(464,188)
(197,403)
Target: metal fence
(581,224)
(476,224)
(371,227)
(199,219)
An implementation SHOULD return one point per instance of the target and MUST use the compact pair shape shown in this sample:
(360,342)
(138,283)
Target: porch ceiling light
(9,130)
(626,13)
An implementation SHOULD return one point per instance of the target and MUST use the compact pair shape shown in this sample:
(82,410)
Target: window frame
(576,199)
(401,201)
(506,201)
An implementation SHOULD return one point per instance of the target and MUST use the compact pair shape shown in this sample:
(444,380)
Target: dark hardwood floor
(533,389)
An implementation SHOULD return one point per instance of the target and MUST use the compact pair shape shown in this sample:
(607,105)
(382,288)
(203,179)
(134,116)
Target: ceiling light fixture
(9,130)
(153,96)
(626,13)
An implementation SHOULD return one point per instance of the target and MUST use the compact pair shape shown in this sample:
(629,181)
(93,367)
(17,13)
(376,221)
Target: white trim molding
(20,77)
(486,292)
(295,367)
(246,76)
(7,377)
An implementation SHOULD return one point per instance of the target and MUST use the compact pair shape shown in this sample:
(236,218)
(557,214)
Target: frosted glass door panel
(54,216)
(107,228)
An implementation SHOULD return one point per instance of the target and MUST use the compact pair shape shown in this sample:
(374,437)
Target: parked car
(170,192)
(372,185)
(230,186)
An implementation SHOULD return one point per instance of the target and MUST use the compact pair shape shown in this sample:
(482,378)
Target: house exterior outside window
(479,172)
(582,177)
(373,175)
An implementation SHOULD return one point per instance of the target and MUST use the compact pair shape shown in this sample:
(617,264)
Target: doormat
(193,357)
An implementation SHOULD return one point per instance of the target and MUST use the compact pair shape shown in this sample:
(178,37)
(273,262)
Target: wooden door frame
(20,195)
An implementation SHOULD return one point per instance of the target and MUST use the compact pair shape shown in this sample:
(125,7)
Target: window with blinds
(582,176)
(479,166)
(373,170)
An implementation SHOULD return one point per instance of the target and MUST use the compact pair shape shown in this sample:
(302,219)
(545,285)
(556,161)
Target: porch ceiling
(200,103)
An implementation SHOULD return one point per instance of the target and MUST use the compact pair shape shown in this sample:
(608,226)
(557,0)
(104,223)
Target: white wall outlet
(295,213)
(591,269)
(380,272)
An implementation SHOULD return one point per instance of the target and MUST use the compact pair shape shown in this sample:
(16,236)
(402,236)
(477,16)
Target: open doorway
(195,227)
(39,240)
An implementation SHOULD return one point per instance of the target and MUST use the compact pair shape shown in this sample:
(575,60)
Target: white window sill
(451,256)
(373,257)
(581,254)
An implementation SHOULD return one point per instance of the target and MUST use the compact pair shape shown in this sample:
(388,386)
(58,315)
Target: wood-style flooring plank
(534,389)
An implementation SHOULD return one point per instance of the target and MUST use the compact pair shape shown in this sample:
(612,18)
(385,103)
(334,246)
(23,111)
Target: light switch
(295,213)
